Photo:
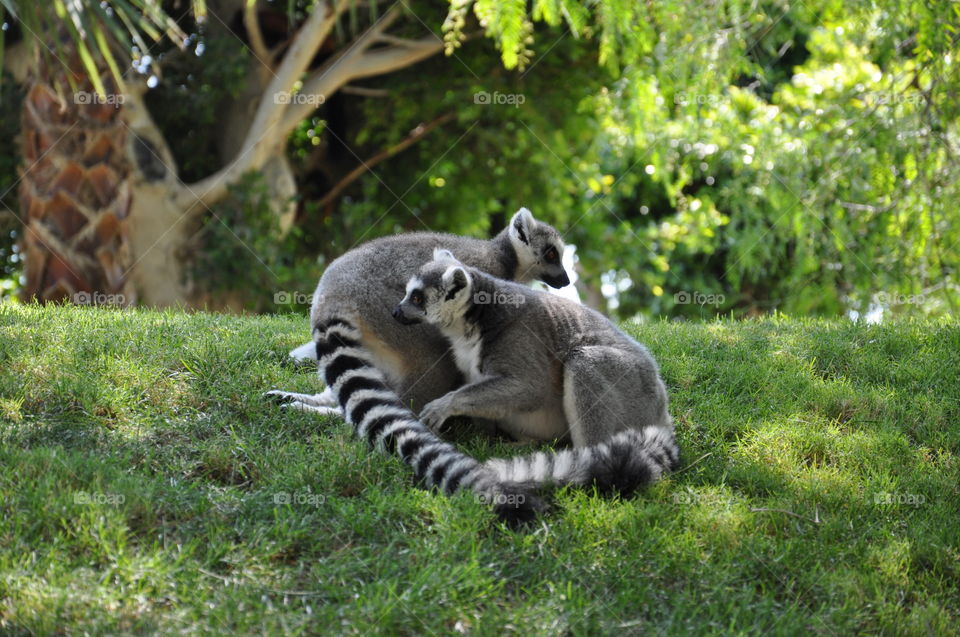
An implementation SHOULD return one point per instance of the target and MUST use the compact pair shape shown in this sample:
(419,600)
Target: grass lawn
(145,487)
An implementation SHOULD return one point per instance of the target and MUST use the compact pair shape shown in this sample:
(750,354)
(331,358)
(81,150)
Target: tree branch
(355,64)
(277,116)
(415,135)
(364,91)
(263,135)
(391,58)
(386,38)
(255,34)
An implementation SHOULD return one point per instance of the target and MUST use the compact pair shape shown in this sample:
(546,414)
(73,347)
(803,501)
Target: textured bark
(74,193)
(105,211)
(160,227)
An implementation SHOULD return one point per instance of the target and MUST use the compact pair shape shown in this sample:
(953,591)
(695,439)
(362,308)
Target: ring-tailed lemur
(377,415)
(363,285)
(546,368)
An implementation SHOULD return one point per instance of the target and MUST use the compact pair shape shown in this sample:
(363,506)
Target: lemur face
(437,294)
(539,249)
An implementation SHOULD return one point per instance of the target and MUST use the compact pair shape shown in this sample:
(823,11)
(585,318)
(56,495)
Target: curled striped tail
(376,414)
(624,463)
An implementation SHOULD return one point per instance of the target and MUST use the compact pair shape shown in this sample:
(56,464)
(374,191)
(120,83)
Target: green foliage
(506,22)
(734,157)
(66,32)
(144,487)
(833,195)
(189,101)
(243,260)
(509,23)
(704,157)
(470,174)
(11,98)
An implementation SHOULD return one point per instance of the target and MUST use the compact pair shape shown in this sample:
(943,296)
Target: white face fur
(438,294)
(520,231)
(539,250)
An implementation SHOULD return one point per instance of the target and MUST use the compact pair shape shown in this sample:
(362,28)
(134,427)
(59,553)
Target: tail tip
(517,506)
(636,460)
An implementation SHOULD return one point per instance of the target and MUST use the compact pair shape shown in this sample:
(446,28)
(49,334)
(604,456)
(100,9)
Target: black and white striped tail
(624,463)
(376,413)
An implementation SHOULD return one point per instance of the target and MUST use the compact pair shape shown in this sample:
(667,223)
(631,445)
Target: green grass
(142,479)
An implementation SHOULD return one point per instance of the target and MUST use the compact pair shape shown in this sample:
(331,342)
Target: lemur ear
(455,279)
(442,254)
(522,225)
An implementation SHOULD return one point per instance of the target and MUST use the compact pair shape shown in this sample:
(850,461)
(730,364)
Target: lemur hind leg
(313,409)
(306,352)
(323,399)
(607,390)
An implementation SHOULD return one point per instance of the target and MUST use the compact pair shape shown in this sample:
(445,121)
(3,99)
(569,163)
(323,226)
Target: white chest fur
(466,353)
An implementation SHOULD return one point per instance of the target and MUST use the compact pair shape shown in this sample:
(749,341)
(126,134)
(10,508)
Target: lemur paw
(434,414)
(324,399)
(279,396)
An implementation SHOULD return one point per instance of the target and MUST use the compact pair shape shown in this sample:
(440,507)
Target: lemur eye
(417,298)
(551,255)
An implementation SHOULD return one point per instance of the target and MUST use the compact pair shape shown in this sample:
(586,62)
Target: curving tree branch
(255,34)
(279,112)
(264,135)
(415,135)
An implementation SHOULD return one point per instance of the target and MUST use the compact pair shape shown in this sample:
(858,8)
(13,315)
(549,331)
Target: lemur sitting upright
(545,368)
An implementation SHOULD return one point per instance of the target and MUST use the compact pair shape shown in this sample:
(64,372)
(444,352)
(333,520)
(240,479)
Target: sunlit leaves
(96,31)
(506,21)
(832,177)
(547,11)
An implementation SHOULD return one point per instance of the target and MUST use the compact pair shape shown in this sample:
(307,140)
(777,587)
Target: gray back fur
(364,284)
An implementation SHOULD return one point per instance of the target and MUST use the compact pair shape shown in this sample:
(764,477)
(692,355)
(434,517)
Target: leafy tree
(823,191)
(119,226)
(750,160)
(735,156)
(76,186)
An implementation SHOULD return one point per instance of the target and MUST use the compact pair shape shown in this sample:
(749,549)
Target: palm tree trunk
(74,190)
(104,210)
